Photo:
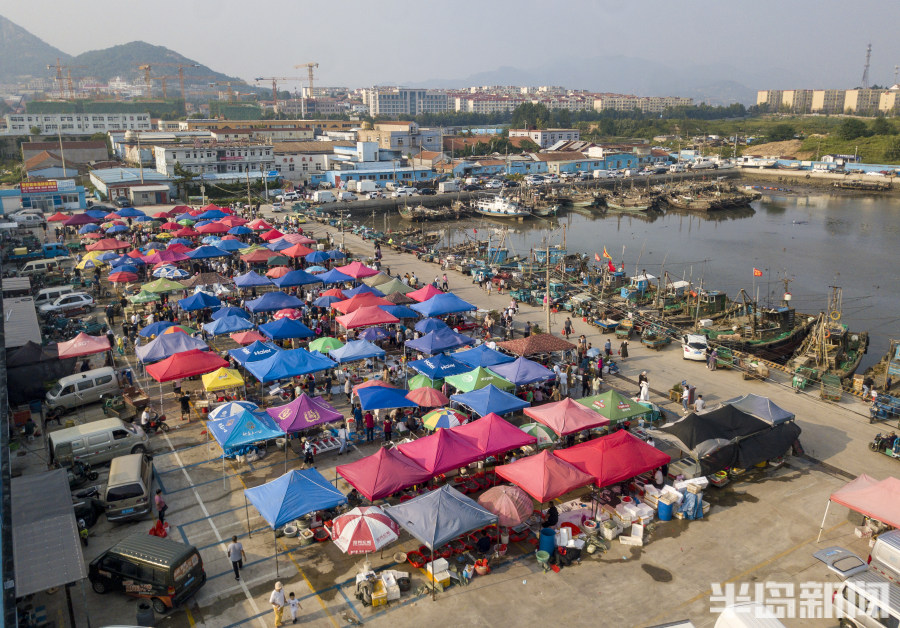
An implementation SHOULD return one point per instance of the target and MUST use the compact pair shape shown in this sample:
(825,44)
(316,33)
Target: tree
(880,126)
(529,115)
(781,132)
(35,130)
(852,128)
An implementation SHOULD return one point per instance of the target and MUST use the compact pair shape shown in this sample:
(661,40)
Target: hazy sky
(386,41)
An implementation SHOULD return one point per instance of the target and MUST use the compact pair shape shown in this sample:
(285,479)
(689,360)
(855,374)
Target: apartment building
(214,157)
(402,101)
(545,138)
(76,123)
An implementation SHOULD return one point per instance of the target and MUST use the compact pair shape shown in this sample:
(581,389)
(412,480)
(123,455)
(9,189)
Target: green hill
(22,55)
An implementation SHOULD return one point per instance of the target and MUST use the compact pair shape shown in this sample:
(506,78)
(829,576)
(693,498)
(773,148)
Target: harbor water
(816,240)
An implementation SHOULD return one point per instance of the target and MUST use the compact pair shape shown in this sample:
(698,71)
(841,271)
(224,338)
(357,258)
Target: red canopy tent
(108,244)
(373,382)
(259,225)
(383,473)
(333,292)
(297,250)
(441,452)
(185,364)
(233,221)
(186,232)
(82,345)
(357,301)
(213,227)
(876,499)
(170,226)
(80,219)
(298,238)
(178,247)
(366,316)
(536,343)
(58,217)
(210,207)
(258,256)
(492,434)
(428,397)
(179,209)
(566,416)
(357,270)
(165,256)
(424,293)
(274,234)
(613,458)
(248,337)
(543,476)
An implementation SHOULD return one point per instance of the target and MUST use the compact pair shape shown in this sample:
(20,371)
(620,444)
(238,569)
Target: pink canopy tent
(297,238)
(167,256)
(259,225)
(296,250)
(82,345)
(383,473)
(511,504)
(357,270)
(492,434)
(543,476)
(876,499)
(108,244)
(185,364)
(303,412)
(424,293)
(442,451)
(248,337)
(213,227)
(566,416)
(428,397)
(373,382)
(365,317)
(357,301)
(613,458)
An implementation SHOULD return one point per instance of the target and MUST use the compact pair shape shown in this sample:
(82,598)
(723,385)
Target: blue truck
(44,251)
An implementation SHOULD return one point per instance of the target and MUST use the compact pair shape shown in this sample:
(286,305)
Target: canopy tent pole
(822,527)
(247,511)
(275,541)
(285,451)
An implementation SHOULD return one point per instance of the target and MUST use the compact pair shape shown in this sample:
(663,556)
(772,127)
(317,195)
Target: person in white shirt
(278,602)
(294,605)
(145,419)
(236,555)
(342,436)
(563,383)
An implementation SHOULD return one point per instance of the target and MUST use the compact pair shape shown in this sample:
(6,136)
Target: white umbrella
(364,530)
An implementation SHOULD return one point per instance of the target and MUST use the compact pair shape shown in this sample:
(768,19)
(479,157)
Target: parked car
(375,194)
(510,184)
(70,304)
(427,191)
(123,201)
(290,196)
(493,185)
(695,347)
(471,188)
(277,207)
(404,191)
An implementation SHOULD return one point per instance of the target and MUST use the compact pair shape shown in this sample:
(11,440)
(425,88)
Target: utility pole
(248,186)
(62,153)
(140,158)
(547,288)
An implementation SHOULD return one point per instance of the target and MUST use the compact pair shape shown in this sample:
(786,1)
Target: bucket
(547,540)
(590,525)
(664,511)
(145,616)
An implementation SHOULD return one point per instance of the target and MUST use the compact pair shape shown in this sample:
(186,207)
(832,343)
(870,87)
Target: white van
(601,174)
(97,442)
(323,196)
(129,487)
(28,220)
(885,556)
(49,295)
(83,388)
(867,600)
(38,267)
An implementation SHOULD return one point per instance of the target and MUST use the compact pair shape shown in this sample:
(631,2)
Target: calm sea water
(816,240)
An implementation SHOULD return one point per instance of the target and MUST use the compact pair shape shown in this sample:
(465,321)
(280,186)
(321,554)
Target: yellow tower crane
(275,80)
(181,66)
(309,68)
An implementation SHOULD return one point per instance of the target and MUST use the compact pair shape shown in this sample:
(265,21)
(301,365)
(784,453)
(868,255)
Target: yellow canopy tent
(222,379)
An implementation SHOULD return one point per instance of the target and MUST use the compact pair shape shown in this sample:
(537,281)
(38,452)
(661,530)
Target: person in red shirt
(369,420)
(388,426)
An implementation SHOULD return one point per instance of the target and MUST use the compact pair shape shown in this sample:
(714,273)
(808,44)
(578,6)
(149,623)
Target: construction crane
(162,80)
(181,66)
(64,86)
(309,67)
(229,91)
(275,80)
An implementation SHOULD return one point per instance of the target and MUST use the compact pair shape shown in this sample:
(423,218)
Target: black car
(510,184)
(471,188)
(427,191)
(123,201)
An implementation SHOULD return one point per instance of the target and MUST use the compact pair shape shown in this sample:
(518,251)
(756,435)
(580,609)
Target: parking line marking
(350,603)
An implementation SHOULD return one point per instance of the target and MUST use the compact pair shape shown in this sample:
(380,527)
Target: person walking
(645,392)
(161,506)
(685,396)
(585,381)
(237,556)
(623,349)
(564,383)
(596,384)
(713,360)
(370,426)
(308,453)
(294,605)
(567,327)
(343,435)
(388,429)
(348,388)
(699,405)
(607,348)
(278,602)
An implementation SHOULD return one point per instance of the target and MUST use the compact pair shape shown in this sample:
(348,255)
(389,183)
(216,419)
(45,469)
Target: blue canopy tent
(438,341)
(251,279)
(231,409)
(317,257)
(198,301)
(430,324)
(231,245)
(254,352)
(293,495)
(235,432)
(296,278)
(227,325)
(166,346)
(271,301)
(381,397)
(122,268)
(155,329)
(522,371)
(336,254)
(130,212)
(356,350)
(240,230)
(326,301)
(440,366)
(90,228)
(443,304)
(230,311)
(285,328)
(288,364)
(207,252)
(373,334)
(279,245)
(212,214)
(490,399)
(363,289)
(335,276)
(482,355)
(399,311)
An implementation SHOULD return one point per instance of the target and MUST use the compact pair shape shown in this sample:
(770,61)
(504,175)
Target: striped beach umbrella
(364,530)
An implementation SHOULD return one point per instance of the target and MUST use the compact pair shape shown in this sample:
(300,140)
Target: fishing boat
(420,213)
(830,348)
(887,366)
(499,207)
(545,210)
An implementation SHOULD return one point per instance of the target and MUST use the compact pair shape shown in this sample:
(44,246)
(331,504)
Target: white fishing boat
(499,207)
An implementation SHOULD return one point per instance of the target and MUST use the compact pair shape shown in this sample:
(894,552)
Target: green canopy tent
(162,285)
(423,381)
(144,297)
(615,406)
(478,378)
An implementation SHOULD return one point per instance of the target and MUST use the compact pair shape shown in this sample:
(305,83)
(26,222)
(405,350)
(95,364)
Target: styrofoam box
(388,579)
(700,482)
(438,565)
(393,593)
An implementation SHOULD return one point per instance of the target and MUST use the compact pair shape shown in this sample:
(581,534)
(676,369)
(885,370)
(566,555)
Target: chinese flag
(612,267)
(596,257)
(757,272)
(605,254)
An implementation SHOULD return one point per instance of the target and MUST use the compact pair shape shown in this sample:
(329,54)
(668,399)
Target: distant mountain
(24,55)
(714,83)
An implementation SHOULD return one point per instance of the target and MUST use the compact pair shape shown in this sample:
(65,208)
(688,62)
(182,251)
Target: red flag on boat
(596,257)
(612,267)
(757,272)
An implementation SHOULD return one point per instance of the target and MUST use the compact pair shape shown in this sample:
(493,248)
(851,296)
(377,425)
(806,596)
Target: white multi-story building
(76,123)
(401,101)
(213,157)
(545,138)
